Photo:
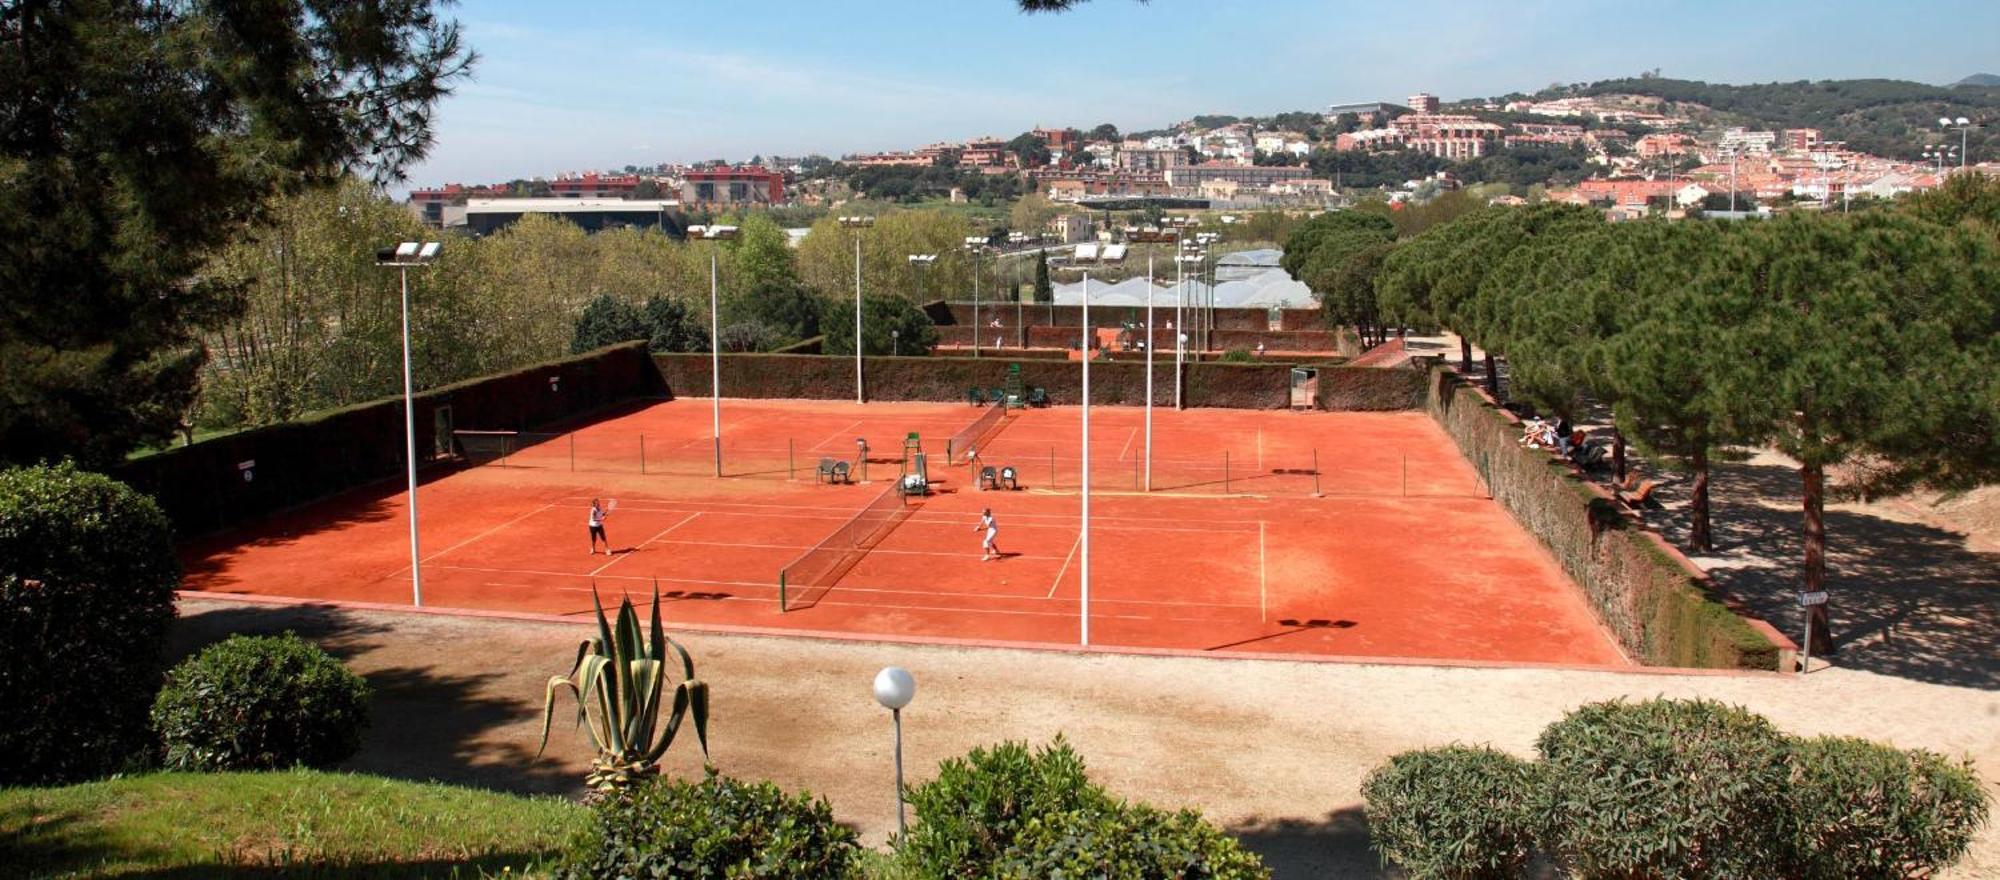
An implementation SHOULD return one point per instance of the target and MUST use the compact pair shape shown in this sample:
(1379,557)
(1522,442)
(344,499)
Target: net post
(1225,471)
(572,452)
(1316,490)
(791,467)
(1406,475)
(1052,467)
(642,453)
(783,605)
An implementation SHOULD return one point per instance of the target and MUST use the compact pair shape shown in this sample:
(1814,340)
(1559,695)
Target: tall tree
(608,320)
(1870,338)
(140,137)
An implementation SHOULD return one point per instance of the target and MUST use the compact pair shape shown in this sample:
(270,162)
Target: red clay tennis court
(1327,534)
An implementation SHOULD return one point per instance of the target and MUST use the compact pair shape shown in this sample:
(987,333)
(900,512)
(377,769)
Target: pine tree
(1044,292)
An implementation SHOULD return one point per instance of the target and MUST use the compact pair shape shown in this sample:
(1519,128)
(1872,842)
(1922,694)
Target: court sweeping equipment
(810,576)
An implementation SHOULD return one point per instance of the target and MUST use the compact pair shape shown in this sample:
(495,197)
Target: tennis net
(955,447)
(810,576)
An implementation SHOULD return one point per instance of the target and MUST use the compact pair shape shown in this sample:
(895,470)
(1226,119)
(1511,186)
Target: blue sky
(598,85)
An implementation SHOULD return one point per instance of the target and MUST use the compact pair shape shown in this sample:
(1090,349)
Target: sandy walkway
(1273,750)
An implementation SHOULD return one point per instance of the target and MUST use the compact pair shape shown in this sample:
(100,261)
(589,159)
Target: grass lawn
(293,823)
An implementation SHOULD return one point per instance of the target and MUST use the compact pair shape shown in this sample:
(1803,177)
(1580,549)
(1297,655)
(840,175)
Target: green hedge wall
(202,489)
(1233,386)
(1661,608)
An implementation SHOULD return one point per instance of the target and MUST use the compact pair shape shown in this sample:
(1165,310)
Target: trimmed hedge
(1015,814)
(716,828)
(203,487)
(87,580)
(1872,812)
(1665,788)
(1661,608)
(1453,813)
(260,703)
(1112,382)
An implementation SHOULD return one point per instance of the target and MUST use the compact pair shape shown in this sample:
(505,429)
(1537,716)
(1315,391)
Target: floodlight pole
(857,319)
(715,354)
(1149,368)
(410,450)
(976,326)
(1084,572)
(1180,321)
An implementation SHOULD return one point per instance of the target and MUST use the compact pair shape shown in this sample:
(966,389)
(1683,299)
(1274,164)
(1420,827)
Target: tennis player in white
(987,549)
(597,514)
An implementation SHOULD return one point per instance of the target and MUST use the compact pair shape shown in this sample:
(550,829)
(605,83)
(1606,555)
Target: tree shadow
(1907,599)
(1297,849)
(424,725)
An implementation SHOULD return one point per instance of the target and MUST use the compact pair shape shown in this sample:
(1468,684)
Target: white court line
(847,431)
(1130,435)
(485,533)
(614,560)
(1065,567)
(1263,603)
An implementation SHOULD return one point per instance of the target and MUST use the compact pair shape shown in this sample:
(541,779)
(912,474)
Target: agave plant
(619,680)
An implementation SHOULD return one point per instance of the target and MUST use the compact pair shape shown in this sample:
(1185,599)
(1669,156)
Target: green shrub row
(1661,609)
(230,479)
(1674,789)
(714,828)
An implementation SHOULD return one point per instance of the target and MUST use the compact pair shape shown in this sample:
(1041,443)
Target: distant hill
(1979,79)
(1886,117)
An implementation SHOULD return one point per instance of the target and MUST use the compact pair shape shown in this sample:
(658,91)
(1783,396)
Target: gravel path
(1273,750)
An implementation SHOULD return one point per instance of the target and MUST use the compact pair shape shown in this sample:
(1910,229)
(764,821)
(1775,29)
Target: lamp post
(896,341)
(1084,572)
(1150,237)
(1189,256)
(1963,125)
(894,688)
(857,224)
(403,256)
(976,245)
(1936,154)
(714,233)
(1207,242)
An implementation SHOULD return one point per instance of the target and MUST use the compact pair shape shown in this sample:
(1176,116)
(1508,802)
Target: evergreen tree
(1044,291)
(608,320)
(672,327)
(139,139)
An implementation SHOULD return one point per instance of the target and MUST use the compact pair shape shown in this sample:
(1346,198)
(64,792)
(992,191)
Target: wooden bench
(1640,497)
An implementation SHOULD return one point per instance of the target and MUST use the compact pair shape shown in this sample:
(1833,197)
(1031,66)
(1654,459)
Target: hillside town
(1642,157)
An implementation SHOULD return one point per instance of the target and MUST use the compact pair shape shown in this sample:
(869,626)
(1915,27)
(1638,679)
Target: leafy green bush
(1238,356)
(1012,813)
(969,816)
(260,703)
(718,827)
(1664,789)
(1128,842)
(87,580)
(1863,810)
(1453,813)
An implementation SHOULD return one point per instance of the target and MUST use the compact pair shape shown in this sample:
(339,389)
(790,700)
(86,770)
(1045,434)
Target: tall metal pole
(1180,320)
(715,355)
(902,824)
(1149,368)
(977,327)
(857,318)
(410,451)
(1084,573)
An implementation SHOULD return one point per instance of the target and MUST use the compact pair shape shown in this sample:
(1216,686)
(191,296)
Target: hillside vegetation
(1885,117)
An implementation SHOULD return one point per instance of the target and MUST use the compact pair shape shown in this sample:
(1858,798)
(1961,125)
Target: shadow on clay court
(408,737)
(1295,627)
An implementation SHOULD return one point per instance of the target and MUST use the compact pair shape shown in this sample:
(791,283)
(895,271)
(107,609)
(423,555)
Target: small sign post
(1807,601)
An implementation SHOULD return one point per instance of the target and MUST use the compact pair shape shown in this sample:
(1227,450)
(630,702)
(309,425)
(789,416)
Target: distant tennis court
(1312,534)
